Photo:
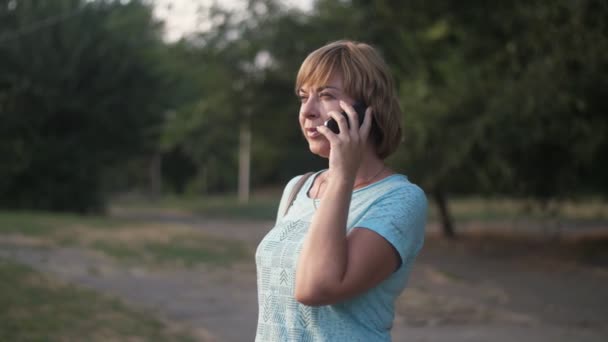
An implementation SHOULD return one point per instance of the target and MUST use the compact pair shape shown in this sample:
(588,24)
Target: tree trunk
(244,162)
(444,214)
(155,176)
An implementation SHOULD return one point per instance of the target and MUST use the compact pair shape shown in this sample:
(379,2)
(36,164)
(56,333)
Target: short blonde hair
(366,78)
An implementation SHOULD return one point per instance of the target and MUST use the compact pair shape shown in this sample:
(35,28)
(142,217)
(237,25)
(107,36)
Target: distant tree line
(498,97)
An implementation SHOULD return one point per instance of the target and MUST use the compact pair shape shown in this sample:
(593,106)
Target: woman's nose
(309,109)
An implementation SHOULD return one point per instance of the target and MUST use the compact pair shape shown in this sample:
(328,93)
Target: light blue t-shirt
(394,208)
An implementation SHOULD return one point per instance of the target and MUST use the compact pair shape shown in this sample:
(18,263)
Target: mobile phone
(359,107)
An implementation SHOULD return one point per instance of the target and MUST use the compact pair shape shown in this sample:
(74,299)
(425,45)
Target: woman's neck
(371,169)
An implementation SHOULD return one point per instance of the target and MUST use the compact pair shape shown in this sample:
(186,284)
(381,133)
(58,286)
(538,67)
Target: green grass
(161,247)
(121,251)
(195,251)
(186,251)
(264,207)
(34,223)
(499,209)
(36,308)
(218,206)
(170,247)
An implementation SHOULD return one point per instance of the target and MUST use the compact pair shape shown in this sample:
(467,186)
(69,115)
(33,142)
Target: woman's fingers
(361,131)
(353,118)
(327,133)
(366,127)
(349,128)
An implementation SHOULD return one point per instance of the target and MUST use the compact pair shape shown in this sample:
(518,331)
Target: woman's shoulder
(397,183)
(398,188)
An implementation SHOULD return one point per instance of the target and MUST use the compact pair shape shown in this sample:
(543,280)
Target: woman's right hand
(347,147)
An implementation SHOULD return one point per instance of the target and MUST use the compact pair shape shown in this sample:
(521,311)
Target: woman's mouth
(312,133)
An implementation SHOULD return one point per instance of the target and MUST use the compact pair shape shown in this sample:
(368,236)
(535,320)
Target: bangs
(318,68)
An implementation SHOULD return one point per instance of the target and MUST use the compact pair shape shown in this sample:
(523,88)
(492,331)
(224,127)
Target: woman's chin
(322,150)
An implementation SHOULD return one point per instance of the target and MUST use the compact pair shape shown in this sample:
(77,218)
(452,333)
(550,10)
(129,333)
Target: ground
(477,288)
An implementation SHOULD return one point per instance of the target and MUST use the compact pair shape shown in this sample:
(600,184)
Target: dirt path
(457,293)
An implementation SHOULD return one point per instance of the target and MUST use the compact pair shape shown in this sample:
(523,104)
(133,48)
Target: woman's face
(317,101)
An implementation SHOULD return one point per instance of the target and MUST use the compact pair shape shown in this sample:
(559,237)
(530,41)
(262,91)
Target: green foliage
(245,71)
(35,308)
(81,95)
(555,91)
(498,98)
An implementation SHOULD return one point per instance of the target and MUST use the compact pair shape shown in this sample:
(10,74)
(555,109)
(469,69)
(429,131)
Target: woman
(340,254)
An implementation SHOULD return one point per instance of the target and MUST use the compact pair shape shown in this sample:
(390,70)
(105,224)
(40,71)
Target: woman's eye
(302,98)
(326,96)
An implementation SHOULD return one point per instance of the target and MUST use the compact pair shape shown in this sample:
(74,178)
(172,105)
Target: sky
(180,15)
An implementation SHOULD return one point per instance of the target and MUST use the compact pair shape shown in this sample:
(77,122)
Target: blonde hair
(366,78)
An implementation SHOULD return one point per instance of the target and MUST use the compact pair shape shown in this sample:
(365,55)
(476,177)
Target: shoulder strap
(295,190)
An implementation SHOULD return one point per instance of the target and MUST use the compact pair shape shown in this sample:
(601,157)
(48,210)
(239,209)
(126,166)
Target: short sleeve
(399,216)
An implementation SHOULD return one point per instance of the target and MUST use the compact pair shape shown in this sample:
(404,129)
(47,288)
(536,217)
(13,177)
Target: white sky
(180,15)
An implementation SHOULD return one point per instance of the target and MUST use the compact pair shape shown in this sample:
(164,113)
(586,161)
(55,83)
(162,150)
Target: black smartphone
(358,107)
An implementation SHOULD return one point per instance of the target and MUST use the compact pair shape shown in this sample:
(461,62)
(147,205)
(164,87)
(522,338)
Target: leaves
(501,97)
(79,96)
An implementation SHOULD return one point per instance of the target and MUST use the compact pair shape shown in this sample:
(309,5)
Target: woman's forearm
(323,260)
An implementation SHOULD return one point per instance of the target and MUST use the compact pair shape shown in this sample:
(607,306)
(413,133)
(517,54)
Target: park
(138,174)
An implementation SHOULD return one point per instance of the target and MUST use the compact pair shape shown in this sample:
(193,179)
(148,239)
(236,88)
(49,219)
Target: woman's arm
(333,266)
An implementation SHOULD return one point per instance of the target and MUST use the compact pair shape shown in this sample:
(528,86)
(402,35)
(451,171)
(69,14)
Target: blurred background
(144,146)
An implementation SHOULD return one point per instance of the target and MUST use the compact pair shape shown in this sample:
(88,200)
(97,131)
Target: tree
(245,80)
(497,96)
(78,97)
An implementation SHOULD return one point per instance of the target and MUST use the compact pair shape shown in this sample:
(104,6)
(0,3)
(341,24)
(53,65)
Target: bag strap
(295,190)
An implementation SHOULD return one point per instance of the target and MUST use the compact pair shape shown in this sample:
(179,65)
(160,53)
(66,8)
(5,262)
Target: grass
(192,252)
(35,223)
(262,207)
(162,244)
(133,241)
(182,251)
(496,209)
(37,308)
